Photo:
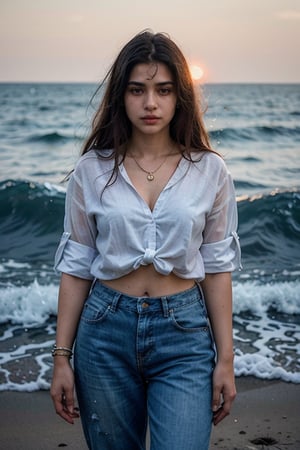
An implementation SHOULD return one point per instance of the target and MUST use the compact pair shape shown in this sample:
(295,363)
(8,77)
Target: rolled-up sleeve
(222,256)
(74,258)
(77,250)
(220,249)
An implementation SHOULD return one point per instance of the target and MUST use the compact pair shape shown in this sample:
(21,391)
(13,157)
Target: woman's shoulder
(208,160)
(210,168)
(94,154)
(94,163)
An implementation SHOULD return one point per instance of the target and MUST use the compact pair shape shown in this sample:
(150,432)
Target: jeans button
(145,305)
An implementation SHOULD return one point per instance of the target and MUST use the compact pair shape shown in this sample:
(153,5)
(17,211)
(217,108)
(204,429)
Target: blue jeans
(140,359)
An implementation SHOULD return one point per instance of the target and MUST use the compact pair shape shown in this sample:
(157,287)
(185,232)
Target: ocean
(257,130)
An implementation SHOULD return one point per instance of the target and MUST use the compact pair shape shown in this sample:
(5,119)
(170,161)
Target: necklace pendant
(150,177)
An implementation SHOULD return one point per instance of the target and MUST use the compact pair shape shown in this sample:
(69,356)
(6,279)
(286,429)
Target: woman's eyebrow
(161,83)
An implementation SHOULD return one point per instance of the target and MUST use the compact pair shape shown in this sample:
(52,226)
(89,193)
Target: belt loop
(165,306)
(200,289)
(115,301)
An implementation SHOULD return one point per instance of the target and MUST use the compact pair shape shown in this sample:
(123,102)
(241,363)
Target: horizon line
(100,82)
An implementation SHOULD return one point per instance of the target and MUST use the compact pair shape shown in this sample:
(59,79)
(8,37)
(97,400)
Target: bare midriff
(147,282)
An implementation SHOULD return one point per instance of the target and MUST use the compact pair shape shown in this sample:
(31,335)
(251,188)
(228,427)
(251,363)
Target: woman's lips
(150,120)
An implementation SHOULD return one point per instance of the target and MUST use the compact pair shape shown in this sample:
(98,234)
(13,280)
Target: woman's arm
(72,293)
(217,289)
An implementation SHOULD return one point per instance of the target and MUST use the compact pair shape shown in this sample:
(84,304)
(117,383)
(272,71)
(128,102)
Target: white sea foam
(30,386)
(41,369)
(54,188)
(252,296)
(262,367)
(34,304)
(28,305)
(266,343)
(266,348)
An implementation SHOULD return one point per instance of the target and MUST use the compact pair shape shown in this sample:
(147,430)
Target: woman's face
(150,98)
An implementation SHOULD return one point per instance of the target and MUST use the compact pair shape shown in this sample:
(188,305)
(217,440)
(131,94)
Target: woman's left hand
(224,391)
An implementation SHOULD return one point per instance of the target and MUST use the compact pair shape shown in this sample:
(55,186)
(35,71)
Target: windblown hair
(111,128)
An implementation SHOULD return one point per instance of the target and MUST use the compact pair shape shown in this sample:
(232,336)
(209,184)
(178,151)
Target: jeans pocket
(94,310)
(191,317)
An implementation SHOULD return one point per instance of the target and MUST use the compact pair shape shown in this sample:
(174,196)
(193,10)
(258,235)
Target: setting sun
(196,72)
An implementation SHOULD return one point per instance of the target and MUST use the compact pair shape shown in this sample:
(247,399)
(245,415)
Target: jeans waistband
(147,304)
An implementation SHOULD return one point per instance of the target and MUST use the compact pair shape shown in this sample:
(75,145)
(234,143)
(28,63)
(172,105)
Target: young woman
(146,259)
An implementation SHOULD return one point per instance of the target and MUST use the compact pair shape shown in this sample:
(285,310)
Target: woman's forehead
(149,71)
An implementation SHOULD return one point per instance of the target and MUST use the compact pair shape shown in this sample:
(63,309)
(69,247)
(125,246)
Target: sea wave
(28,305)
(260,297)
(31,219)
(51,138)
(269,229)
(263,133)
(35,303)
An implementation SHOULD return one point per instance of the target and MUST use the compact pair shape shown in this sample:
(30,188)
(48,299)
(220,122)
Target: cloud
(288,15)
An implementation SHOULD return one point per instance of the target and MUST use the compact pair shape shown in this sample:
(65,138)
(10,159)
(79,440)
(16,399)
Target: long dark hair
(111,128)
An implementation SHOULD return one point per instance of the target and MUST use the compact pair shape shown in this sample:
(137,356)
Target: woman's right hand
(62,389)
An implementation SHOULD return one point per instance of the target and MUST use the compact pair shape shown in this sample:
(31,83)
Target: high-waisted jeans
(141,360)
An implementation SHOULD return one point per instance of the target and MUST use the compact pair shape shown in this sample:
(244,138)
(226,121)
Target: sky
(77,40)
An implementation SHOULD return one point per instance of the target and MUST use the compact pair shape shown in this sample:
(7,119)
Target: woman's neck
(151,147)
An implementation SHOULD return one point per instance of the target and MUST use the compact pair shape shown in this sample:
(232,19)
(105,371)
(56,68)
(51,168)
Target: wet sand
(265,415)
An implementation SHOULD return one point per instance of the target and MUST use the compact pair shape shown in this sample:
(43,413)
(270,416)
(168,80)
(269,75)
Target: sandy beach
(265,416)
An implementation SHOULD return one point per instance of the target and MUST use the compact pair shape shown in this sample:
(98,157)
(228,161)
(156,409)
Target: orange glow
(197,72)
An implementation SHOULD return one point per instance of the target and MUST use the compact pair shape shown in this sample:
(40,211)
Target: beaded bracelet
(61,351)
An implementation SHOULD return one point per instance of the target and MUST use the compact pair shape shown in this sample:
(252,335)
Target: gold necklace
(150,173)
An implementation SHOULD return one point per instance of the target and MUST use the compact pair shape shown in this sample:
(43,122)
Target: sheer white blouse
(110,232)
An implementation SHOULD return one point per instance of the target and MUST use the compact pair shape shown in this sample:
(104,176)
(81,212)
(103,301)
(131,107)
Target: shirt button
(145,305)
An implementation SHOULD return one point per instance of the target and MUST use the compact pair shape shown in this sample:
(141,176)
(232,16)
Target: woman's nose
(150,101)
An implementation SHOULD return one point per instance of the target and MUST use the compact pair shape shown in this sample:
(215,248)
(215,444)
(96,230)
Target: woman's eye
(136,91)
(165,91)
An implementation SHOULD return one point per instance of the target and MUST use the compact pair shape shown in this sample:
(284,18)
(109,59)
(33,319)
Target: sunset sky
(76,40)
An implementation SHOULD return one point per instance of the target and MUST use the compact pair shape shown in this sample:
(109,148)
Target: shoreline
(263,412)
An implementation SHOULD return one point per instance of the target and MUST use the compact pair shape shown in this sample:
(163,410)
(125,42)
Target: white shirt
(109,233)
